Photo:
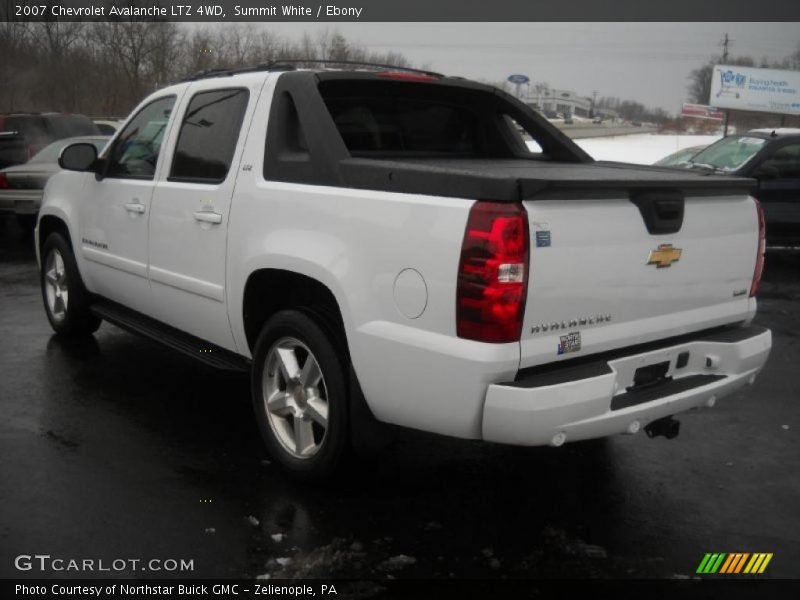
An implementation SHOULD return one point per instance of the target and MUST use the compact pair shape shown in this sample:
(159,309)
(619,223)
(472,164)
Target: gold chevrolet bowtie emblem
(664,256)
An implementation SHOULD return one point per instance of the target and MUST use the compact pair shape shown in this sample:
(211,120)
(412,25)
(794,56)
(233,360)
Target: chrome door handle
(207,216)
(135,207)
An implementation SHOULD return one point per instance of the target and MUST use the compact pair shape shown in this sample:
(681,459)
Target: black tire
(74,319)
(296,333)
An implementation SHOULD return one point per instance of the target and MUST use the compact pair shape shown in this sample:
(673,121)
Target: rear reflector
(762,248)
(4,185)
(493,273)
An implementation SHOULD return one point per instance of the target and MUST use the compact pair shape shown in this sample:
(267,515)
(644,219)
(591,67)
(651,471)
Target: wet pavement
(116,448)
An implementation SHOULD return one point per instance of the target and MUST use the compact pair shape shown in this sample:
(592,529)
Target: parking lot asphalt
(116,448)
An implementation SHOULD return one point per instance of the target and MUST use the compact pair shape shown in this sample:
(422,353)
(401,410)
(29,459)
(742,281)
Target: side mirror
(78,157)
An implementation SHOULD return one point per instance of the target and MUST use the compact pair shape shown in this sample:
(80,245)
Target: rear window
(21,136)
(398,119)
(63,126)
(32,128)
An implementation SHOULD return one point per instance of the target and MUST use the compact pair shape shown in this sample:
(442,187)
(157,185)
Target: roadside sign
(702,111)
(518,79)
(762,90)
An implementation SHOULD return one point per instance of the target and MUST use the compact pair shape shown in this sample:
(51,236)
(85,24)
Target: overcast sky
(648,62)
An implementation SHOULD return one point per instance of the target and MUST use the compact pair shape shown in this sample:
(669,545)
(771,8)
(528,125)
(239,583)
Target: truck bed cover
(513,180)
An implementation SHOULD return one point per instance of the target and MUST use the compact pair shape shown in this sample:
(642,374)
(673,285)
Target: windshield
(50,153)
(729,153)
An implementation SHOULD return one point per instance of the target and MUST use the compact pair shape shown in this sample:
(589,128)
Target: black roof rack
(288,64)
(356,63)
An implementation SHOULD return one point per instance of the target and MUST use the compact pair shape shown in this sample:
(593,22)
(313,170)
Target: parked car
(679,157)
(772,158)
(379,246)
(23,134)
(22,186)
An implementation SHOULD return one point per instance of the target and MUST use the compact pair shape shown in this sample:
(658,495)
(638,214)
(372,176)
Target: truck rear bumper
(597,397)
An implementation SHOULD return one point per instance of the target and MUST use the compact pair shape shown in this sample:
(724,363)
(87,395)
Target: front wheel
(300,396)
(66,300)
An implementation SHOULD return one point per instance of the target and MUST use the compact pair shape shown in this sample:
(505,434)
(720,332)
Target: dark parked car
(23,134)
(771,156)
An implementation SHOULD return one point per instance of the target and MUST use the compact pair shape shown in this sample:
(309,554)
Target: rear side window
(407,120)
(395,124)
(208,136)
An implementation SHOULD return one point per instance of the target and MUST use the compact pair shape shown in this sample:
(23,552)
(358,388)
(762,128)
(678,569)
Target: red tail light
(762,248)
(4,185)
(402,76)
(493,273)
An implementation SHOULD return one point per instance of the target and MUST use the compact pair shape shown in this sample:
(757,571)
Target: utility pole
(594,103)
(725,43)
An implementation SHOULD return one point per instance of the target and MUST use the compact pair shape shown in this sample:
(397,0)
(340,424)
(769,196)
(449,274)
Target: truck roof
(297,64)
(776,131)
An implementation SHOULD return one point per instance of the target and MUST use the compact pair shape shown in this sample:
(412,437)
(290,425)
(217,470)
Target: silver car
(21,186)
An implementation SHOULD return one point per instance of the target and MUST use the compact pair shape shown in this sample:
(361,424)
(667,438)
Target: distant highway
(580,131)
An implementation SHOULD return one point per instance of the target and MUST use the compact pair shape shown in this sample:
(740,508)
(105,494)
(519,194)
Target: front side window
(136,149)
(208,136)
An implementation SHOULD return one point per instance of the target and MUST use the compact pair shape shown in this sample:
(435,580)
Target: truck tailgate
(599,280)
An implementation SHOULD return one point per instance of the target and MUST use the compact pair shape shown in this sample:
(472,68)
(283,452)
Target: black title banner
(401,10)
(395,589)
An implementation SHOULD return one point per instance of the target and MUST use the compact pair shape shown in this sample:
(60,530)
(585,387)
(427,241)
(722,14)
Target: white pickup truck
(382,246)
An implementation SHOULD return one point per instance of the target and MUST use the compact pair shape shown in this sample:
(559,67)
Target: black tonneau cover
(512,180)
(304,145)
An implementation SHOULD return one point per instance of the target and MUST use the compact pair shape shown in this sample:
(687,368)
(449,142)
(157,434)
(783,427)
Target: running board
(130,320)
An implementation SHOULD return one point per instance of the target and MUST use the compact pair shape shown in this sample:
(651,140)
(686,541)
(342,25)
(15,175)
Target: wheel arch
(270,290)
(49,224)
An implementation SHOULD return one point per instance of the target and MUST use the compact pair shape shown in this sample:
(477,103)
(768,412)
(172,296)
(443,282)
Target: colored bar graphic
(734,563)
(765,563)
(727,564)
(755,562)
(730,564)
(709,564)
(703,563)
(740,563)
(718,563)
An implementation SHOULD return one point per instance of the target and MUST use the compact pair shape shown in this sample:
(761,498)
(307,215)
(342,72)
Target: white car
(381,246)
(22,186)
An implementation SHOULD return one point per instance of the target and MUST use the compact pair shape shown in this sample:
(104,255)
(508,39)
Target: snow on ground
(641,148)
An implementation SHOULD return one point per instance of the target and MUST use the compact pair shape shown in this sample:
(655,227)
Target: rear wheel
(300,395)
(66,300)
